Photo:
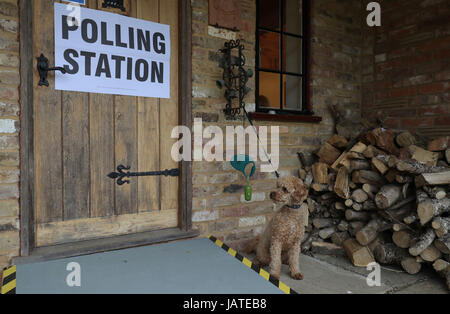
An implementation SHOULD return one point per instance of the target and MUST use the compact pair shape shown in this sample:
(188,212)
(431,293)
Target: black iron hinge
(121,174)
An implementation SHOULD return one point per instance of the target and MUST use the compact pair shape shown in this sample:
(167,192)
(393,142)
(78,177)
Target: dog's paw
(297,276)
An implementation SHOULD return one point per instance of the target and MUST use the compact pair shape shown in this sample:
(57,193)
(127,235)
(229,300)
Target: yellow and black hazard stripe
(9,281)
(263,273)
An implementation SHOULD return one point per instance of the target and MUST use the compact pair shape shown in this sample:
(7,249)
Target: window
(281,77)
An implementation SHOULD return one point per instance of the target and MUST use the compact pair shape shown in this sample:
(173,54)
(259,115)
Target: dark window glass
(269,12)
(281,56)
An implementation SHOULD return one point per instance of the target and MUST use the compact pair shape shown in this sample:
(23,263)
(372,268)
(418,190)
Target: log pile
(382,196)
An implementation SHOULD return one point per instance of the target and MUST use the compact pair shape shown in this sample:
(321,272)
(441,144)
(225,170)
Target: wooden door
(79,138)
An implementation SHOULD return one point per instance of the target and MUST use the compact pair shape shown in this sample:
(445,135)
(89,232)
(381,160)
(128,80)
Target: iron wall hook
(43,69)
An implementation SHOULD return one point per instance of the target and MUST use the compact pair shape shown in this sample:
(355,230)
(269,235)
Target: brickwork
(9,131)
(406,66)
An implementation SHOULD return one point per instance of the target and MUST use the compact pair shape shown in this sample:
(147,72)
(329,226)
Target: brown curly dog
(282,237)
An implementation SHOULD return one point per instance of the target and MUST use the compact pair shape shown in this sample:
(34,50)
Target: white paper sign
(109,53)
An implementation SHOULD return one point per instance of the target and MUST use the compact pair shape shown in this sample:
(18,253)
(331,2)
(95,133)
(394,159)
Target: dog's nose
(272,195)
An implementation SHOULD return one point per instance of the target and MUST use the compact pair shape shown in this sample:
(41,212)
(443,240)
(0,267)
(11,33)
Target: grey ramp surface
(186,267)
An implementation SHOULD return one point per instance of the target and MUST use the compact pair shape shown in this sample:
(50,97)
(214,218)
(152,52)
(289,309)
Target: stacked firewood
(382,196)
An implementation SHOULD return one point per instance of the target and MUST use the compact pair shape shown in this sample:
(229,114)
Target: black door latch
(42,66)
(122,174)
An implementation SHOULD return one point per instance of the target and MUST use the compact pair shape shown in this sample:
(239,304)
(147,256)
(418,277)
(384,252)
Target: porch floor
(327,274)
(200,267)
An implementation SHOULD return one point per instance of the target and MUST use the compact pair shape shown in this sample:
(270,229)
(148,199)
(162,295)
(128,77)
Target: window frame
(305,61)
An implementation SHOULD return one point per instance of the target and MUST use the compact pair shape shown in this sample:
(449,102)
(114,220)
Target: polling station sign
(110,53)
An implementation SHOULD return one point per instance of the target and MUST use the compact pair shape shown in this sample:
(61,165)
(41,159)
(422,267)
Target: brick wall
(219,207)
(406,66)
(9,131)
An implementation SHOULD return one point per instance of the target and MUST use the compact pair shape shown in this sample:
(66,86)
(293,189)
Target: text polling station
(110,53)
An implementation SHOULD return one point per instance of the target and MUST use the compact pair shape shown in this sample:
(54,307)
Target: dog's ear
(300,192)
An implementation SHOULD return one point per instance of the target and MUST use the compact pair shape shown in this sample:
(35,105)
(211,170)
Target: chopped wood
(428,208)
(359,165)
(424,156)
(326,248)
(344,161)
(355,226)
(339,206)
(402,179)
(357,207)
(367,176)
(439,144)
(371,151)
(355,156)
(443,269)
(425,241)
(430,254)
(359,196)
(410,219)
(441,226)
(369,205)
(399,227)
(319,187)
(389,254)
(388,196)
(417,168)
(338,141)
(359,255)
(380,163)
(369,188)
(405,139)
(441,178)
(321,223)
(384,139)
(447,155)
(443,244)
(402,239)
(371,230)
(343,226)
(339,238)
(320,173)
(302,174)
(327,232)
(352,215)
(349,203)
(411,266)
(391,175)
(341,186)
(328,154)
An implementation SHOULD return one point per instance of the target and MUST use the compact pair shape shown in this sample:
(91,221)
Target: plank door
(79,138)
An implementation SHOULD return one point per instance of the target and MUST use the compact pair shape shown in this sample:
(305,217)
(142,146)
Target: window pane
(292,54)
(269,47)
(292,16)
(292,92)
(269,14)
(269,90)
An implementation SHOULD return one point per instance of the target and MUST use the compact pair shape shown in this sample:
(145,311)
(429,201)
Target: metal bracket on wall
(43,69)
(234,78)
(121,174)
(116,4)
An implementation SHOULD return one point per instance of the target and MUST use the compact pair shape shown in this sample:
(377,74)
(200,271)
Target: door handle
(43,69)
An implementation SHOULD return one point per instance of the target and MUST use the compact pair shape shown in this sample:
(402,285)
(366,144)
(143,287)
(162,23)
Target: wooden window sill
(284,117)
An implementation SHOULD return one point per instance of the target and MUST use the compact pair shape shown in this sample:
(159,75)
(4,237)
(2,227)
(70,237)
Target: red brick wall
(406,66)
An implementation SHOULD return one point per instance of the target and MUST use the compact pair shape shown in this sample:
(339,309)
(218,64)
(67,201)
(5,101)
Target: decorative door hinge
(121,174)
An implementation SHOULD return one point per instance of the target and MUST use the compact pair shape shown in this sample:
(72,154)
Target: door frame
(27,68)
